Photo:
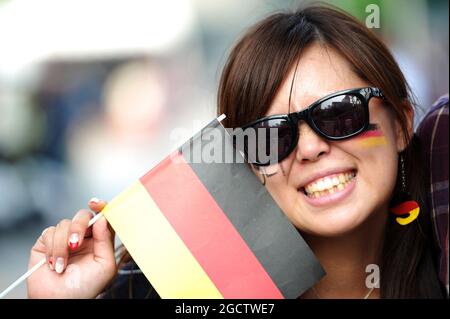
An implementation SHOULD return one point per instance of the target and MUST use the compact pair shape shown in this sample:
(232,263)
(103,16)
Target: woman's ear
(402,140)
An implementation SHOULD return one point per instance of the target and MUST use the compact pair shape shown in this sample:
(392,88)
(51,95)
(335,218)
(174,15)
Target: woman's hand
(79,260)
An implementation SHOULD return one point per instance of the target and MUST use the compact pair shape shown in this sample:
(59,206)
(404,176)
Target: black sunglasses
(337,116)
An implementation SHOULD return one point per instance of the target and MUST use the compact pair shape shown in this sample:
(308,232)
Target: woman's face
(346,181)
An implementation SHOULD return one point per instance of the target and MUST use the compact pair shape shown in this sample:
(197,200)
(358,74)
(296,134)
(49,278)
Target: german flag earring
(405,207)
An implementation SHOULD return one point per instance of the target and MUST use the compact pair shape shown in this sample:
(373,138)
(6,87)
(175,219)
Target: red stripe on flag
(372,133)
(207,231)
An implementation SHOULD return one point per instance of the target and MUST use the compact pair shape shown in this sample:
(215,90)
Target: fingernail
(59,266)
(74,240)
(94,200)
(50,263)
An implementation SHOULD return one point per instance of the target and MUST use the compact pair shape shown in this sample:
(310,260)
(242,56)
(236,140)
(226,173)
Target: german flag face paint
(373,137)
(407,211)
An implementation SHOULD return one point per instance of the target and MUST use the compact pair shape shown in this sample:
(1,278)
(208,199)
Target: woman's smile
(329,188)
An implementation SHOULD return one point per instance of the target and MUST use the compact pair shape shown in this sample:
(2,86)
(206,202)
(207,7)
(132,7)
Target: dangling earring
(405,205)
(263,174)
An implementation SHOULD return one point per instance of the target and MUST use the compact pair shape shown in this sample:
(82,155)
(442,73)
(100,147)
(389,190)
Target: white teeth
(320,186)
(335,181)
(329,185)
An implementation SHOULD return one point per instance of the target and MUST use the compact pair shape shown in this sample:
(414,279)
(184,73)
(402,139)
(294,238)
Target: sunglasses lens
(340,116)
(268,141)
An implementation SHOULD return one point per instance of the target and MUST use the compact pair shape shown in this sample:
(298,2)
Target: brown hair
(254,72)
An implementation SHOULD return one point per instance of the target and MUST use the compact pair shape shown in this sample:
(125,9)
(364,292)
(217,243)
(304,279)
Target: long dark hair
(254,72)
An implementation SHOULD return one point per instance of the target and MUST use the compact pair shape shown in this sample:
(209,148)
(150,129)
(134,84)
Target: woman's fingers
(60,251)
(69,234)
(47,240)
(96,205)
(103,235)
(103,238)
(78,228)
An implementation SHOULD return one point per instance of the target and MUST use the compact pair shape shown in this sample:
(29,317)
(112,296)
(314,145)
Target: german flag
(211,230)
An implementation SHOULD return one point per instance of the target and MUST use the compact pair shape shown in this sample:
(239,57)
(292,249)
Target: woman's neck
(345,259)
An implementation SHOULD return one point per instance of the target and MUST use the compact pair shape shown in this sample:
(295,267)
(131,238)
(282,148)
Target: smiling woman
(346,157)
(339,176)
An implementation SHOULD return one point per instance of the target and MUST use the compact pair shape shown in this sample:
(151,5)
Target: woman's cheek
(377,156)
(376,146)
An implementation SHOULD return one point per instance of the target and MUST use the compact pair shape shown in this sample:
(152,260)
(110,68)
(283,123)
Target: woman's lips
(328,198)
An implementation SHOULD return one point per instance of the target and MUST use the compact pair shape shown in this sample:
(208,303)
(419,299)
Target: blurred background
(90,91)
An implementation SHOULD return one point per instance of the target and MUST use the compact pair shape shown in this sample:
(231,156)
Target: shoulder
(433,135)
(435,119)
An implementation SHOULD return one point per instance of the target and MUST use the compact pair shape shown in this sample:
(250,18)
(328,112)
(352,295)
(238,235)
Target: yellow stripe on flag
(373,141)
(156,247)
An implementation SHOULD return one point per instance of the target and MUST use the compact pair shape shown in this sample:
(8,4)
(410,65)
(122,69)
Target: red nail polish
(73,246)
(50,263)
(74,240)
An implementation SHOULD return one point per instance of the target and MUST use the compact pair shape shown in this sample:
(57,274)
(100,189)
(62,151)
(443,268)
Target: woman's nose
(310,146)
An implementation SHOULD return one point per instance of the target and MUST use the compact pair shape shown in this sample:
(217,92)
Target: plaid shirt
(433,133)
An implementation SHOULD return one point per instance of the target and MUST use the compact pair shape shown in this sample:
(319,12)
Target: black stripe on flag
(273,239)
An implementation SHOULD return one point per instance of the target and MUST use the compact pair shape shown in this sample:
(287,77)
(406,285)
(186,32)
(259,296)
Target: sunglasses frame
(365,94)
